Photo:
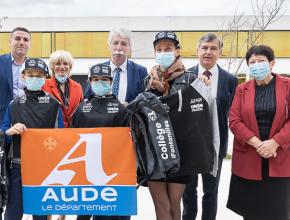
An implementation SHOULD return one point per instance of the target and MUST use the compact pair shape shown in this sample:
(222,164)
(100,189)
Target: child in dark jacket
(35,109)
(101,109)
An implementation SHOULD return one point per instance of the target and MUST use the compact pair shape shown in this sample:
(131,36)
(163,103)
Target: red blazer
(246,162)
(75,97)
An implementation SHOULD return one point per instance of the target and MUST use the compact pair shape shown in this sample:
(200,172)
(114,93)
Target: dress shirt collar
(13,60)
(123,67)
(214,70)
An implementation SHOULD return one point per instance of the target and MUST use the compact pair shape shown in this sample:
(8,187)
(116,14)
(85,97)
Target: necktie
(207,73)
(116,81)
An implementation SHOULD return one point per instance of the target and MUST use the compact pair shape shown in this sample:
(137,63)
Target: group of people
(258,112)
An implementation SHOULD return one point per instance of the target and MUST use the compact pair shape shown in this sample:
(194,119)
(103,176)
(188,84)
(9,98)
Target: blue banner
(80,200)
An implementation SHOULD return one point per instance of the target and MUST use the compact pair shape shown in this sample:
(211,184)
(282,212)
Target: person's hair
(122,32)
(260,50)
(20,29)
(209,37)
(60,56)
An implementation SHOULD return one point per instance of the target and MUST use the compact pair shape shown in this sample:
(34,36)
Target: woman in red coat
(68,92)
(259,120)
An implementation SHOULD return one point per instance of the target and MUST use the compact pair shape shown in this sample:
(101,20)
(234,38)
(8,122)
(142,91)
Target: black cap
(36,63)
(166,35)
(100,70)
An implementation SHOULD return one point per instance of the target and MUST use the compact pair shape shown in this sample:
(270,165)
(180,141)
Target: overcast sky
(76,8)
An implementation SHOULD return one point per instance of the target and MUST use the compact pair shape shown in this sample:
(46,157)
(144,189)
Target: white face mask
(259,70)
(34,83)
(165,59)
(101,88)
(61,79)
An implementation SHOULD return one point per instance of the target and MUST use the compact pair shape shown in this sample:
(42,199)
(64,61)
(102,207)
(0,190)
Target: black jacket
(189,111)
(34,110)
(100,112)
(179,83)
(225,93)
(153,136)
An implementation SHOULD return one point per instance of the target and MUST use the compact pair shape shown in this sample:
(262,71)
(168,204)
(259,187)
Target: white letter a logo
(93,163)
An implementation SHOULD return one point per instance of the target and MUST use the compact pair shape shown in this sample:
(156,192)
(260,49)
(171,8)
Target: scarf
(160,80)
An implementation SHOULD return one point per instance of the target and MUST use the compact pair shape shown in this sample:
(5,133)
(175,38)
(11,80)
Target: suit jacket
(225,92)
(246,161)
(135,78)
(6,83)
(75,98)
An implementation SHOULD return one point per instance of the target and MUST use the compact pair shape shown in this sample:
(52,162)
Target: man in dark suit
(223,86)
(128,76)
(11,64)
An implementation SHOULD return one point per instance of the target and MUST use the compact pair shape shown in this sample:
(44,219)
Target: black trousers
(209,199)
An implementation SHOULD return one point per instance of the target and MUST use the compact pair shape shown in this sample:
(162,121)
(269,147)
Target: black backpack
(153,136)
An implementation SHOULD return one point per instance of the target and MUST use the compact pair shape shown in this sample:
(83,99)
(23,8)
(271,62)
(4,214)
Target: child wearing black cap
(101,109)
(35,109)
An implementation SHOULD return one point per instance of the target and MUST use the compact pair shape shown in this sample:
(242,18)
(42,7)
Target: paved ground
(146,208)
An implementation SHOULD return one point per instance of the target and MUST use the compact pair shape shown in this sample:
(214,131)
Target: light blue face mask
(165,59)
(101,88)
(61,79)
(259,70)
(34,83)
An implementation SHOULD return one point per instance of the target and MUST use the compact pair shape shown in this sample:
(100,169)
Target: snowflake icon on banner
(49,143)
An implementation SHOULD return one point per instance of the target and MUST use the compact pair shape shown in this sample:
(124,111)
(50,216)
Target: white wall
(148,23)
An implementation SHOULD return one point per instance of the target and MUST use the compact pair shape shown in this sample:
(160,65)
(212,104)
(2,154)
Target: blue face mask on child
(259,70)
(61,79)
(34,83)
(101,88)
(165,59)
